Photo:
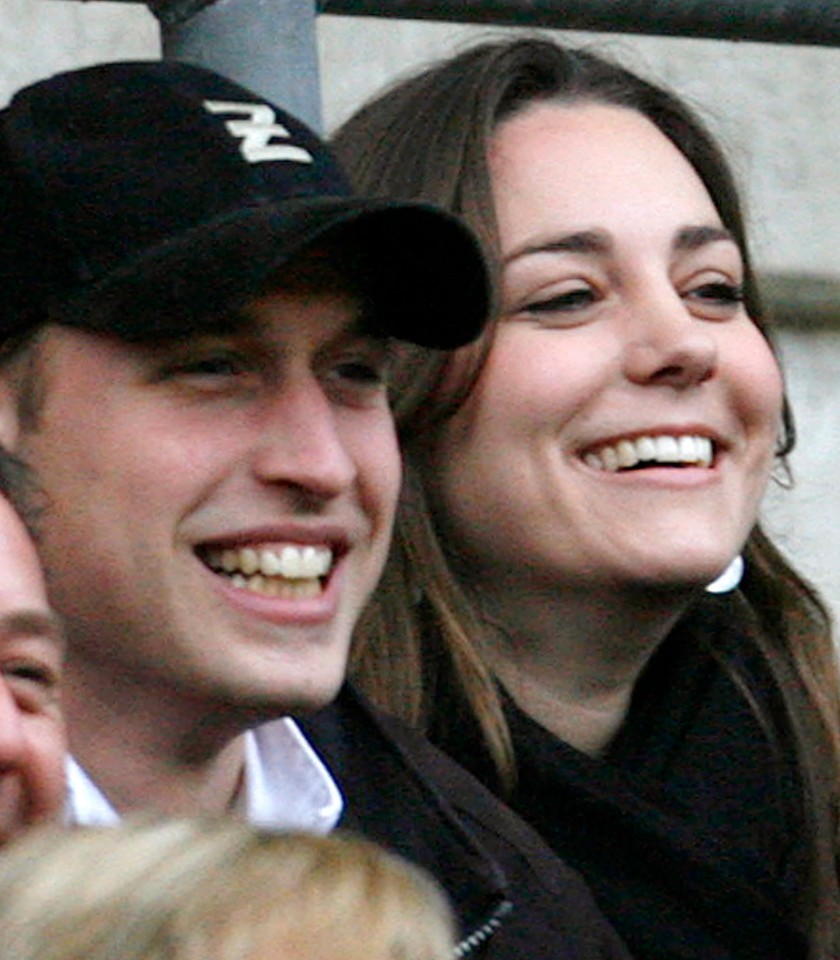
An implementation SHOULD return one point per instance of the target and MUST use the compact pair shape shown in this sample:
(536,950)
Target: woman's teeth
(289,571)
(674,450)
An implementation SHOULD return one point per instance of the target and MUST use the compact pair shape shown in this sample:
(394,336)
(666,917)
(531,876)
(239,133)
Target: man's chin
(297,701)
(314,700)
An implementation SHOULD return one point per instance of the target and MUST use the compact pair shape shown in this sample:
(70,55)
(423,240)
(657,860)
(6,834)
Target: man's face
(32,741)
(218,509)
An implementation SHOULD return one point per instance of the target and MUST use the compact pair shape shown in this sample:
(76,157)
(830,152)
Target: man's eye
(359,378)
(210,371)
(363,372)
(216,366)
(363,365)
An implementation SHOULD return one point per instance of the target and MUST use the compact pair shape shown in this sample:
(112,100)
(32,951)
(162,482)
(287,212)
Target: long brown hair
(428,138)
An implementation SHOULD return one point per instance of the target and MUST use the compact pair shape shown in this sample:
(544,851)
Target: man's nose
(300,441)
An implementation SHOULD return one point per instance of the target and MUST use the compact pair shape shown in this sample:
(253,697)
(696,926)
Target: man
(32,736)
(197,322)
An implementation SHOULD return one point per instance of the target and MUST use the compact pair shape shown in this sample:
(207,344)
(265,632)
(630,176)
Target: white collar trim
(286,785)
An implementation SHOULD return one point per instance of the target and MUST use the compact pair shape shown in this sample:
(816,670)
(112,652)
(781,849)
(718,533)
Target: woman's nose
(667,345)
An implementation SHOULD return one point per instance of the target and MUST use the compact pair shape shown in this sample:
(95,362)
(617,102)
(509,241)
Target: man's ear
(9,419)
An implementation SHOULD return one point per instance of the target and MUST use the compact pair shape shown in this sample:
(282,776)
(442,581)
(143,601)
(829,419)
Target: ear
(9,420)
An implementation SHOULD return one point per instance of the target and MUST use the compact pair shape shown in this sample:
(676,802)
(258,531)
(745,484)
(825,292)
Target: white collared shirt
(286,785)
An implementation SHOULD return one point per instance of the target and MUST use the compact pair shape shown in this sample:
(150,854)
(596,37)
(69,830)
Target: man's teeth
(626,454)
(275,587)
(289,571)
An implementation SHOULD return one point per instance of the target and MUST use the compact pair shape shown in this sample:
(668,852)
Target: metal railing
(814,22)
(775,21)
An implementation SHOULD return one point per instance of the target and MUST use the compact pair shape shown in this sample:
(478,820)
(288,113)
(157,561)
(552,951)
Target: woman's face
(623,428)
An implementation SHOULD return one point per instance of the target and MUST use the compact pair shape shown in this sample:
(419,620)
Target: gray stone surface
(41,37)
(776,108)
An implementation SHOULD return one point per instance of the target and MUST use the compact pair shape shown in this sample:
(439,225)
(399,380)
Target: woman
(214,889)
(574,483)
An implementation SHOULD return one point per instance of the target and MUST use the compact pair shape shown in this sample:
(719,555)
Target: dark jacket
(514,899)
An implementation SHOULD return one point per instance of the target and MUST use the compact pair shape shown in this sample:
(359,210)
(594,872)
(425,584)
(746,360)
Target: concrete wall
(776,108)
(41,37)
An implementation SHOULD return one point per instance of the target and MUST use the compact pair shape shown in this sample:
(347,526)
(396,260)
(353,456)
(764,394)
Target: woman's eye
(718,299)
(719,292)
(565,308)
(562,302)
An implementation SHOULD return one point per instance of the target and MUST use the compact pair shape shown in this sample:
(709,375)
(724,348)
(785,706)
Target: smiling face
(32,741)
(218,509)
(623,427)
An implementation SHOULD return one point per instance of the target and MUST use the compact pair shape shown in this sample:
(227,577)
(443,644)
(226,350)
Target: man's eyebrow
(364,326)
(32,623)
(692,238)
(582,241)
(228,323)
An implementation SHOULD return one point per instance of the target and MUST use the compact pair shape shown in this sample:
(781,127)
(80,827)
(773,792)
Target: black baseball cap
(143,198)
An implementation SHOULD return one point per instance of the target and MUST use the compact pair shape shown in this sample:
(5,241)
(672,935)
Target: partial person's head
(32,740)
(197,325)
(627,358)
(215,890)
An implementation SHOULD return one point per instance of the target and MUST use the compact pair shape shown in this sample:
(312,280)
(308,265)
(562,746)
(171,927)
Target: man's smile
(286,570)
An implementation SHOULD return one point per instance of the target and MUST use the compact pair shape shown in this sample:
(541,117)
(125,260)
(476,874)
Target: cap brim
(421,269)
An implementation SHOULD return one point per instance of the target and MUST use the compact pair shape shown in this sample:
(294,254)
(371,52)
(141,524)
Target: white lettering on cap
(257,131)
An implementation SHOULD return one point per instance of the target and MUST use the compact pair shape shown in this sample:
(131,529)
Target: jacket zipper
(483,933)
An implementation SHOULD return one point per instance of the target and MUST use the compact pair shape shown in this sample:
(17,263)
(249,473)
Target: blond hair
(214,889)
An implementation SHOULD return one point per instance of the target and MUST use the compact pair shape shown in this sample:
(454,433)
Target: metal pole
(777,21)
(268,46)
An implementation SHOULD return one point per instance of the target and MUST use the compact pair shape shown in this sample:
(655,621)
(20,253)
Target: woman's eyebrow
(581,241)
(686,239)
(692,238)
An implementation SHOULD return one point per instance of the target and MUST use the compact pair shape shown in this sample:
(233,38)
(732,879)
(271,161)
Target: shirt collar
(286,785)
